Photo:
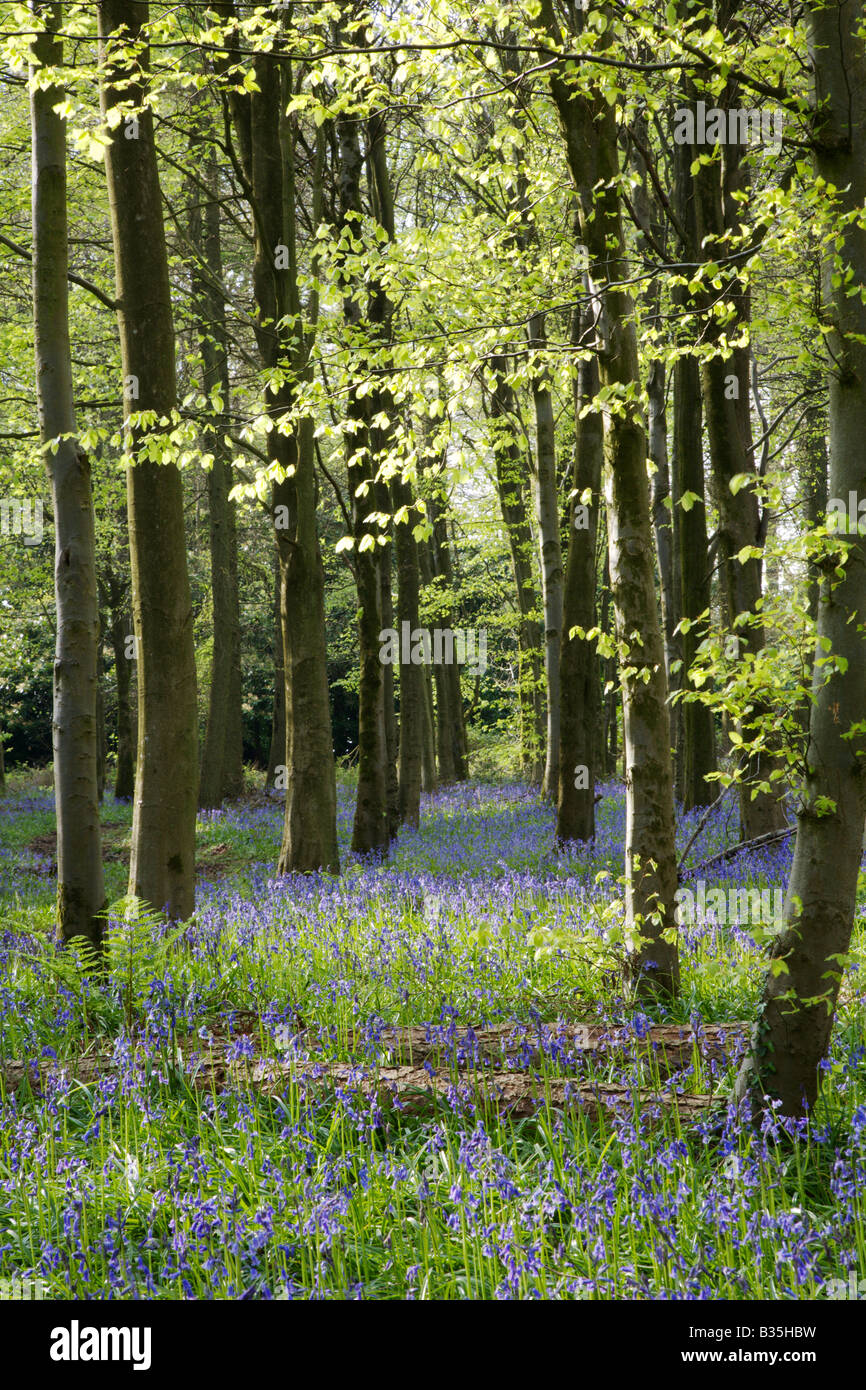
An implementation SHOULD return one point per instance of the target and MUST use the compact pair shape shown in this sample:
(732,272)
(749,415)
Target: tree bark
(412,677)
(266,154)
(697,744)
(725,383)
(278,753)
(663,526)
(429,780)
(550,547)
(222,755)
(512,502)
(371,831)
(80,883)
(162,864)
(451,741)
(120,626)
(579,666)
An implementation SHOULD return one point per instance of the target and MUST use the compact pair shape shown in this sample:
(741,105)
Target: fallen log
(412,1087)
(671,1045)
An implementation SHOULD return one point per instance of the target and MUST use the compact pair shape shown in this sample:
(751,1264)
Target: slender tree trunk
(590,131)
(162,864)
(80,884)
(579,667)
(697,745)
(412,677)
(550,546)
(429,779)
(726,397)
(429,776)
(813,463)
(796,1014)
(610,702)
(509,483)
(278,754)
(222,754)
(451,741)
(310,830)
(371,827)
(392,733)
(693,578)
(661,503)
(380,314)
(266,156)
(120,626)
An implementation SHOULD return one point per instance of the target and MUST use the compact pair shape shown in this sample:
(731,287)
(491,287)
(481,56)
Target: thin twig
(702,822)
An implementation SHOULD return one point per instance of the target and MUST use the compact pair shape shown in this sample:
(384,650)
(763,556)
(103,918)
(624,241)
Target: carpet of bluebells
(137,1185)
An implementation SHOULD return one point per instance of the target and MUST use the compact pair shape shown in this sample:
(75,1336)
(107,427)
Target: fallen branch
(771,837)
(702,822)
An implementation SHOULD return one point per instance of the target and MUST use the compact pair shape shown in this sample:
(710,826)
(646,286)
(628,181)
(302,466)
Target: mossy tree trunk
(796,1013)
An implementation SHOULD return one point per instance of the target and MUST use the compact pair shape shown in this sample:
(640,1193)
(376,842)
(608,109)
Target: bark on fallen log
(412,1086)
(671,1045)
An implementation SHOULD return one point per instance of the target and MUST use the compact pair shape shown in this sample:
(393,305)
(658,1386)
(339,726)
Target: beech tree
(797,1008)
(80,885)
(265,161)
(162,864)
(589,130)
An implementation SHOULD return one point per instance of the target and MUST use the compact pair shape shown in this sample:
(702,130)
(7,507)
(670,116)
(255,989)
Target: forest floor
(420,1079)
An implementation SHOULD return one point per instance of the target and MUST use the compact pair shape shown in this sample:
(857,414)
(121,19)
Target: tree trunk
(796,1014)
(266,141)
(412,677)
(371,827)
(392,734)
(100,729)
(663,526)
(429,779)
(278,754)
(693,581)
(609,721)
(120,626)
(697,744)
(550,546)
(162,863)
(222,755)
(726,397)
(310,829)
(579,667)
(80,884)
(813,462)
(451,739)
(590,131)
(510,486)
